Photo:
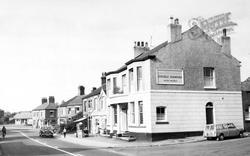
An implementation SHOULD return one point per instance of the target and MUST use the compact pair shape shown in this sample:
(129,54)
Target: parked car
(46,132)
(220,131)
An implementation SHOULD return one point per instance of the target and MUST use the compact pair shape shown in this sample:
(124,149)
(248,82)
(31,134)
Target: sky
(50,47)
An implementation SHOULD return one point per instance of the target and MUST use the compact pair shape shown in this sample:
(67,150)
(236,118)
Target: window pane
(131,79)
(115,114)
(160,113)
(139,78)
(132,112)
(209,76)
(141,112)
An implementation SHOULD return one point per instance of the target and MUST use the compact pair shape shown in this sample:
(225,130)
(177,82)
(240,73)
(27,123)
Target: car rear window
(219,126)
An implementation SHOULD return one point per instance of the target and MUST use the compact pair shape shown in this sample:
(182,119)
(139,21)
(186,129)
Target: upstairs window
(69,111)
(77,109)
(131,79)
(85,106)
(115,88)
(123,83)
(51,113)
(139,78)
(209,77)
(108,86)
(90,104)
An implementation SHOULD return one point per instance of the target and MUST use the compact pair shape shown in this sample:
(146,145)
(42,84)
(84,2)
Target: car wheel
(241,135)
(221,137)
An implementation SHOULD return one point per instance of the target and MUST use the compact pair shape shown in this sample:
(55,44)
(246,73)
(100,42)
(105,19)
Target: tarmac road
(26,142)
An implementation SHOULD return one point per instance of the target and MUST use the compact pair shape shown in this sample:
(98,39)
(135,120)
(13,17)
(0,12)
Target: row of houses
(172,90)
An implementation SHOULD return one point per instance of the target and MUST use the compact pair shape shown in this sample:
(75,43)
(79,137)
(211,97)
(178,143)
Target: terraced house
(176,88)
(45,114)
(95,110)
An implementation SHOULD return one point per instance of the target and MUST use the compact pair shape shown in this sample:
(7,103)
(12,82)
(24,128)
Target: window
(209,77)
(51,113)
(140,112)
(123,83)
(115,89)
(139,78)
(77,109)
(132,112)
(131,79)
(108,86)
(115,114)
(69,111)
(85,106)
(101,103)
(90,103)
(160,113)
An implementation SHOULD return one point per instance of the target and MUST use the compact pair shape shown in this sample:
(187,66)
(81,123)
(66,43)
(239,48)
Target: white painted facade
(38,117)
(186,110)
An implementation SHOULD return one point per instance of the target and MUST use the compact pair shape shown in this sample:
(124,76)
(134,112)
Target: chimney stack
(175,30)
(81,90)
(51,99)
(140,47)
(103,79)
(226,43)
(44,100)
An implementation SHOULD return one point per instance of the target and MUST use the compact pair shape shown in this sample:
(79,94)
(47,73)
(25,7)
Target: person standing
(3,132)
(64,132)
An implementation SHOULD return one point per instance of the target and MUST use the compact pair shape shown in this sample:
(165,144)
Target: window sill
(161,122)
(210,88)
(140,126)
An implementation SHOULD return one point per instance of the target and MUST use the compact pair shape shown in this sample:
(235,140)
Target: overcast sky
(50,47)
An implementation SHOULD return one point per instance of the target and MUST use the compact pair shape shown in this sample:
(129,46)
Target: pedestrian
(3,132)
(64,132)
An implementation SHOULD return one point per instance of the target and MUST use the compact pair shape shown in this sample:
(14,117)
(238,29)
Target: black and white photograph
(124,78)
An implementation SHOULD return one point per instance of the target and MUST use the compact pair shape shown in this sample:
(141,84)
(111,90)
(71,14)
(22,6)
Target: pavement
(105,142)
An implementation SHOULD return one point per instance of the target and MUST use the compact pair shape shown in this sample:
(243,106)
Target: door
(124,119)
(209,113)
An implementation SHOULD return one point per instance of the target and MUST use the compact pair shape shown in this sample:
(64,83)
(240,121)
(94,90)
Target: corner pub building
(176,88)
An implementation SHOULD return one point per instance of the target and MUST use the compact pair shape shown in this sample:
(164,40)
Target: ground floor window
(115,114)
(161,113)
(132,112)
(140,112)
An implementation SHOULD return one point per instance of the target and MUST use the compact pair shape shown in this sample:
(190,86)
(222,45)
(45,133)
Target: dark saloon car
(46,132)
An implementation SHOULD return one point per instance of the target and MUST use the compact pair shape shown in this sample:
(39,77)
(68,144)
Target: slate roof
(23,115)
(95,92)
(74,101)
(46,106)
(77,100)
(245,85)
(150,54)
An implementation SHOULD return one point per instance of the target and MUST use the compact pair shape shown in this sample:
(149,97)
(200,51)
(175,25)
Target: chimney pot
(142,44)
(140,48)
(93,89)
(171,20)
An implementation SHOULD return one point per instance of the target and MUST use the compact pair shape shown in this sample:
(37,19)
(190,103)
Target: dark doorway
(209,113)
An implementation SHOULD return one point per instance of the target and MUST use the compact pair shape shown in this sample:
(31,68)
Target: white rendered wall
(186,109)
